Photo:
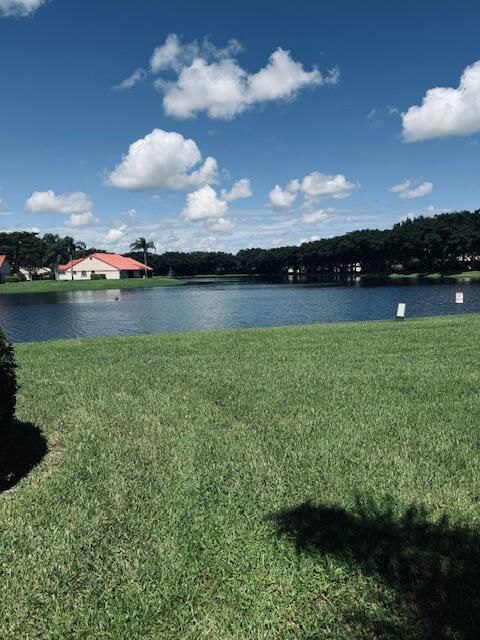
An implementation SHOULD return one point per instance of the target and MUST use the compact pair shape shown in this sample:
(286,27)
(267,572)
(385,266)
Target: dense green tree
(22,248)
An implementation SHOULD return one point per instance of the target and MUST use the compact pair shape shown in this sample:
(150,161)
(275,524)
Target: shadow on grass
(433,568)
(22,446)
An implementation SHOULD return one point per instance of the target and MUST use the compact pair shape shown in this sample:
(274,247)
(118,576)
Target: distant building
(110,266)
(4,268)
(37,272)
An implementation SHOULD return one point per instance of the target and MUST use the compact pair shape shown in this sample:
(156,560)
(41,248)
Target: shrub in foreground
(8,381)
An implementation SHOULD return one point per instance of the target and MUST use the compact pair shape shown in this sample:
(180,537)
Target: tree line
(447,241)
(28,250)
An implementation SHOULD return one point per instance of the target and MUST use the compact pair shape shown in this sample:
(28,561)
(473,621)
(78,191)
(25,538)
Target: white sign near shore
(401,311)
(459,297)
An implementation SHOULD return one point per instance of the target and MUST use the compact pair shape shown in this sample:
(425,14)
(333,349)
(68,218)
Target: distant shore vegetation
(448,243)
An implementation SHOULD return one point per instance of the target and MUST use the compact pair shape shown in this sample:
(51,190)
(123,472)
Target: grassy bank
(47,286)
(225,275)
(437,275)
(249,484)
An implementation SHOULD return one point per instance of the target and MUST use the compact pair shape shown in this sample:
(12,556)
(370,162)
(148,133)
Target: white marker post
(459,297)
(401,311)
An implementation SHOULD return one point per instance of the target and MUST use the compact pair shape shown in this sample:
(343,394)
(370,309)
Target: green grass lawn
(226,275)
(464,275)
(46,286)
(316,482)
(437,275)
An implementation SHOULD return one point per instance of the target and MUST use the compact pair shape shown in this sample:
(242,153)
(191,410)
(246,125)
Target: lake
(220,304)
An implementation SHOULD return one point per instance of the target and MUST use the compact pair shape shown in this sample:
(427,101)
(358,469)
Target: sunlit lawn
(249,484)
(46,286)
(437,275)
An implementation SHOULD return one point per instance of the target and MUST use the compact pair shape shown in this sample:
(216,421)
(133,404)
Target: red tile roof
(69,265)
(120,262)
(111,259)
(2,260)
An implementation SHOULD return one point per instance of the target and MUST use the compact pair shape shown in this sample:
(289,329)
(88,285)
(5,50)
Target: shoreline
(49,286)
(52,286)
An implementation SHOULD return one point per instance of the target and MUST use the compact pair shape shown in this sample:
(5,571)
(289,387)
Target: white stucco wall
(39,272)
(89,265)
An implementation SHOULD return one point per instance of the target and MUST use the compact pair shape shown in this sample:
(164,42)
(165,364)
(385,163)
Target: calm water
(218,305)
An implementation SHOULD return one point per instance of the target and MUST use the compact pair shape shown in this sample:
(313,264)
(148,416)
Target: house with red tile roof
(109,266)
(4,268)
(35,272)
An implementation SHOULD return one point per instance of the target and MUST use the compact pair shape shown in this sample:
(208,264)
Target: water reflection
(214,304)
(89,297)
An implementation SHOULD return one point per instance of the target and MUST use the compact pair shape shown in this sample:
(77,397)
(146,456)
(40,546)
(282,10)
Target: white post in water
(401,311)
(459,297)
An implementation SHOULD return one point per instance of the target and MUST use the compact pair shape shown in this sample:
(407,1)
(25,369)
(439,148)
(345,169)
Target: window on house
(84,274)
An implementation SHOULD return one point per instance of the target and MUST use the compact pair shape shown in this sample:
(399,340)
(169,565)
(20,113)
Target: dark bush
(98,276)
(8,381)
(15,277)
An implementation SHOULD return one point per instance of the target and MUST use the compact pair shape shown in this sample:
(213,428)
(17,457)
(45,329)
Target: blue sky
(253,124)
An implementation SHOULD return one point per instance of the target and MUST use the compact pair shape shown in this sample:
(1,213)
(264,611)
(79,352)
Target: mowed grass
(47,286)
(249,484)
(437,275)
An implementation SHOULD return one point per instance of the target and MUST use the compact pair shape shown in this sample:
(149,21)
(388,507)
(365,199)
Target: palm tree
(141,244)
(72,249)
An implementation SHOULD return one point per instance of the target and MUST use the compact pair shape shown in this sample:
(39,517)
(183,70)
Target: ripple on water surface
(218,305)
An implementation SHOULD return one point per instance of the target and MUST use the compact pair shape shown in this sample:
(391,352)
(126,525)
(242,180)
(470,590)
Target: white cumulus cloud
(446,111)
(204,204)
(77,205)
(82,219)
(50,202)
(216,88)
(314,186)
(241,189)
(318,184)
(314,217)
(282,77)
(223,89)
(201,77)
(116,234)
(402,186)
(163,159)
(407,189)
(173,54)
(166,56)
(19,7)
(281,199)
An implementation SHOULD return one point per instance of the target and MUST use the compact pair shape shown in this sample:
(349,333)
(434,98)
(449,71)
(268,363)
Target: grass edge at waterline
(49,286)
